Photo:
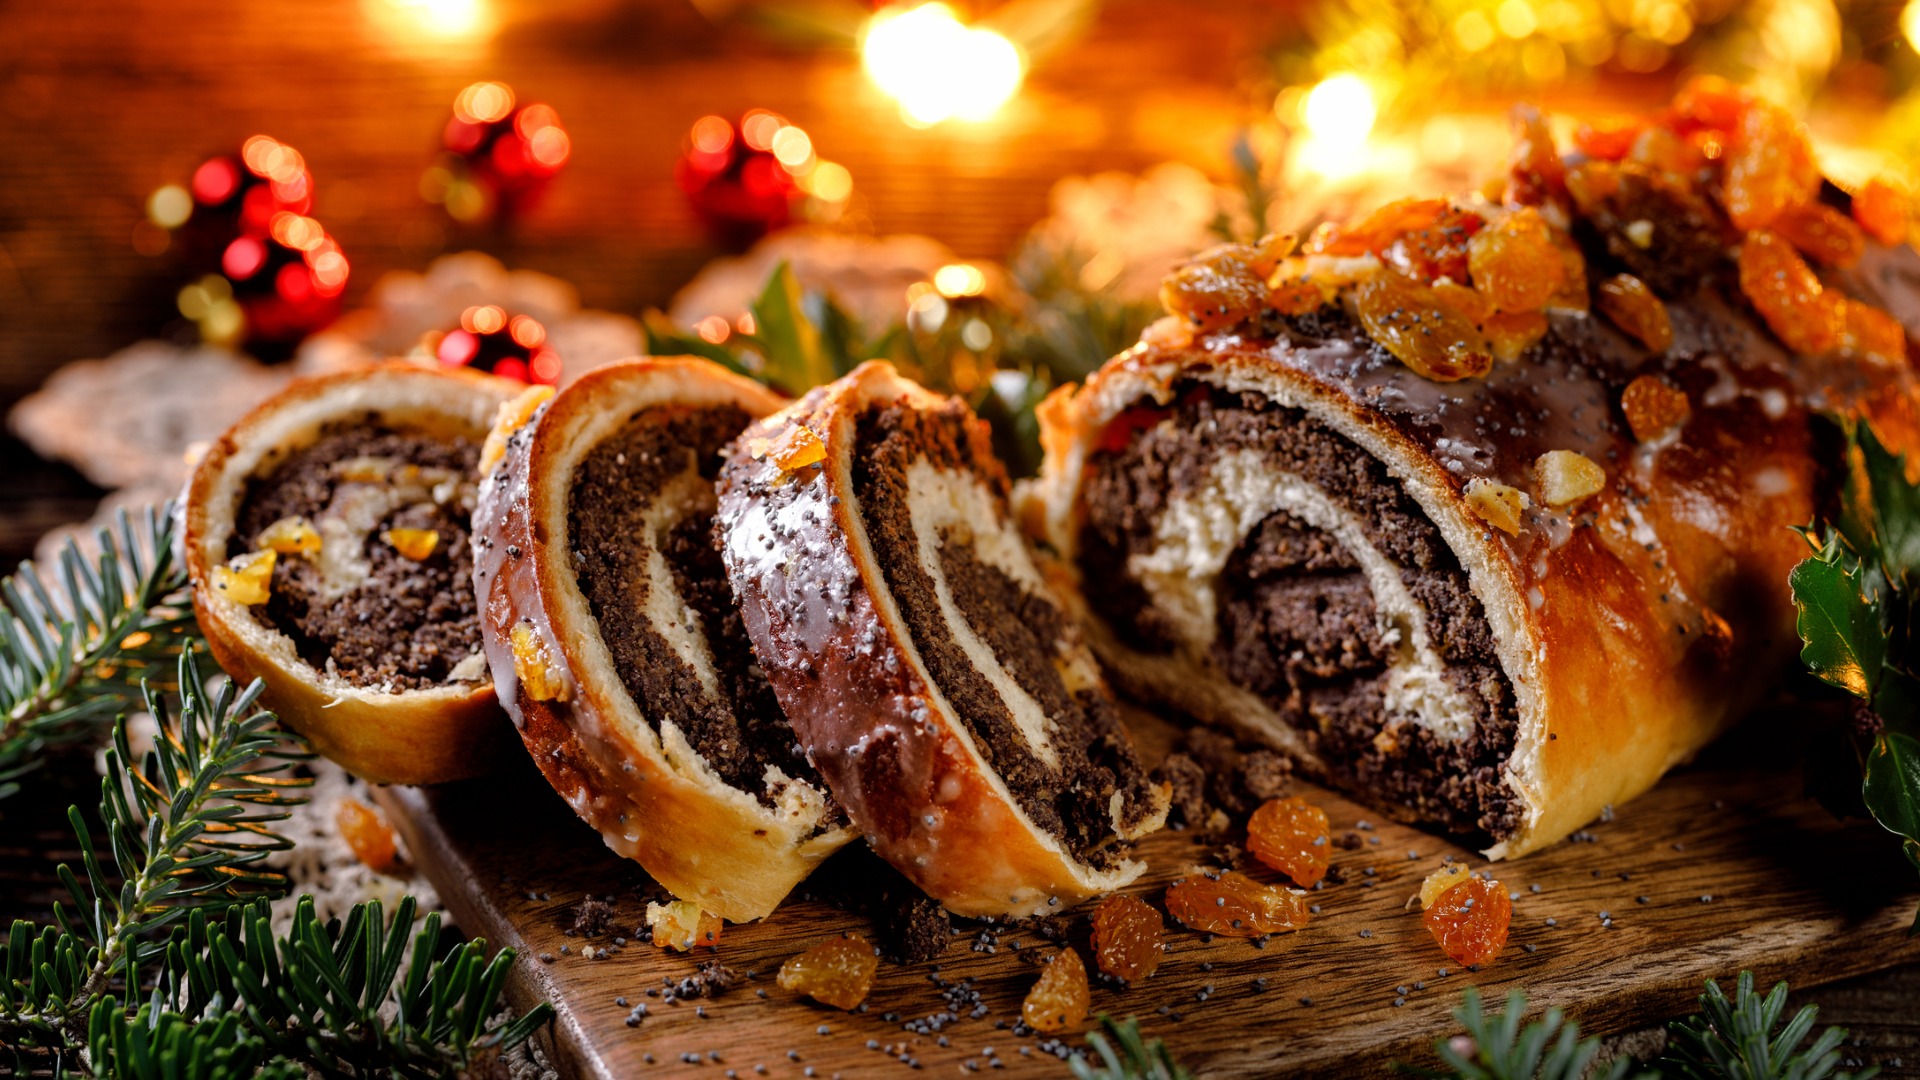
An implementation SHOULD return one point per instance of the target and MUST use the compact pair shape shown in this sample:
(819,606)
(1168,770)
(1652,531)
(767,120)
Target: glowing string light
(937,67)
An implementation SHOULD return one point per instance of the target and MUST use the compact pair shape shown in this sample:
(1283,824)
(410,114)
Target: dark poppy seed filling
(377,619)
(1295,621)
(647,490)
(1070,798)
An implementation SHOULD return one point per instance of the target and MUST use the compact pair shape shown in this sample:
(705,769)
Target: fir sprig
(1742,1038)
(1125,1054)
(75,643)
(187,933)
(1856,597)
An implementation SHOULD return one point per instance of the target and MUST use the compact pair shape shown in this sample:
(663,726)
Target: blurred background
(199,199)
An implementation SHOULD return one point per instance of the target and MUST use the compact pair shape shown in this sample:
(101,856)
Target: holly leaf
(1842,640)
(1892,792)
(1880,507)
(791,347)
(666,339)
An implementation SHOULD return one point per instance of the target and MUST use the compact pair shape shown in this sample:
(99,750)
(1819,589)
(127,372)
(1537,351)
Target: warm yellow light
(1473,31)
(713,329)
(1340,112)
(484,102)
(170,206)
(937,67)
(483,319)
(959,279)
(711,134)
(1516,19)
(793,148)
(1910,23)
(829,182)
(442,18)
(759,127)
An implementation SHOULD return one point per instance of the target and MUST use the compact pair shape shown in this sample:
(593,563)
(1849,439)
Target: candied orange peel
(247,579)
(292,535)
(533,664)
(682,926)
(415,545)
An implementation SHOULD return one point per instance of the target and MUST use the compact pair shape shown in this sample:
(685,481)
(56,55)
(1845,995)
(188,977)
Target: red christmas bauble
(496,158)
(733,179)
(490,340)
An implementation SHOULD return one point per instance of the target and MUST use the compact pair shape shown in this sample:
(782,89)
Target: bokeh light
(1340,112)
(937,67)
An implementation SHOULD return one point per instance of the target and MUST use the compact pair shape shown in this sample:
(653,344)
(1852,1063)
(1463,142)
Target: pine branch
(1744,1039)
(1134,1059)
(1496,1047)
(186,832)
(73,650)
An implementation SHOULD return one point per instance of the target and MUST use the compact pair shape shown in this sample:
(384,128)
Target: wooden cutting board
(1723,866)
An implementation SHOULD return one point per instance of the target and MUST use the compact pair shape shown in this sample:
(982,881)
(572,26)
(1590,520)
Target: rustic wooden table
(101,101)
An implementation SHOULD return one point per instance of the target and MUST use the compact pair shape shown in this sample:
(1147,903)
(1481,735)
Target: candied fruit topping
(511,416)
(1127,938)
(1296,296)
(1060,997)
(837,972)
(1437,250)
(1463,299)
(1566,477)
(1515,263)
(1667,155)
(247,579)
(1440,881)
(1873,334)
(417,545)
(1511,333)
(1822,234)
(796,448)
(365,470)
(1290,835)
(1470,920)
(1654,407)
(1710,102)
(1224,285)
(1497,504)
(1374,233)
(1884,210)
(680,925)
(290,536)
(1769,167)
(370,837)
(1235,905)
(1788,295)
(1629,304)
(1610,138)
(1413,323)
(539,675)
(1535,175)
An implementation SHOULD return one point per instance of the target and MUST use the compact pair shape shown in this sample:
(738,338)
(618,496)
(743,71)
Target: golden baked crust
(410,737)
(1630,640)
(833,640)
(653,799)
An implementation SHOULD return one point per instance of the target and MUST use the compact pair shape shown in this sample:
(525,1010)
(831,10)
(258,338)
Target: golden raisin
(290,536)
(1788,295)
(1654,407)
(1822,234)
(1436,250)
(1126,938)
(680,925)
(1410,321)
(1470,920)
(1874,334)
(247,579)
(1627,302)
(1769,167)
(1463,299)
(369,836)
(1515,262)
(1290,835)
(1667,155)
(1885,210)
(1608,139)
(1235,905)
(1534,172)
(1223,285)
(837,972)
(1497,504)
(510,417)
(1060,997)
(1296,296)
(1572,294)
(1566,476)
(415,545)
(539,675)
(1511,333)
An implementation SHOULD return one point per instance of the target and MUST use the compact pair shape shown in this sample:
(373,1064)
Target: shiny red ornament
(490,340)
(734,180)
(288,279)
(496,158)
